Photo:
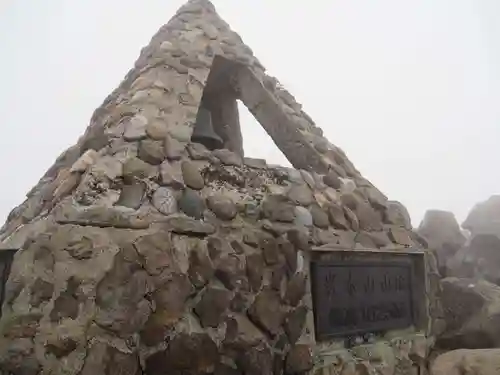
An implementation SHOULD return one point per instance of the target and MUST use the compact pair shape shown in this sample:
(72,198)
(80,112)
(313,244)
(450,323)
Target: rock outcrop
(443,234)
(479,259)
(141,252)
(467,362)
(472,314)
(484,218)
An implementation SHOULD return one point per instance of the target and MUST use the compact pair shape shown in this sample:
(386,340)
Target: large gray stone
(151,152)
(192,204)
(442,233)
(192,176)
(467,362)
(186,225)
(186,353)
(131,195)
(223,206)
(212,305)
(484,218)
(164,201)
(266,311)
(478,259)
(472,314)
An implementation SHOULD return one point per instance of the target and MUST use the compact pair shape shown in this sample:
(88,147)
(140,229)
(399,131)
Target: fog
(409,90)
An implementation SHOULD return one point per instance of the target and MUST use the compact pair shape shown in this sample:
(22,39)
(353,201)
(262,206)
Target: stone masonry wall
(143,253)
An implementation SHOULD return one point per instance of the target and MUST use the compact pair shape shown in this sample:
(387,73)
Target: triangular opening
(224,121)
(256,141)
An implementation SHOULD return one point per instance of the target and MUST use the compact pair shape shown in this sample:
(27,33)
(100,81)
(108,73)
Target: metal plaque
(356,297)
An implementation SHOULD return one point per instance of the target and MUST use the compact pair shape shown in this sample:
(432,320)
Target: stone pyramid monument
(153,246)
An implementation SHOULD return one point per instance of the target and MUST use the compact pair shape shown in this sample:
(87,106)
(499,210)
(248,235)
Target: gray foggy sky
(408,89)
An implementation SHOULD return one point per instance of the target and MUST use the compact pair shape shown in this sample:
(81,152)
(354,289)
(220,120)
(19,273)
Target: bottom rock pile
(470,291)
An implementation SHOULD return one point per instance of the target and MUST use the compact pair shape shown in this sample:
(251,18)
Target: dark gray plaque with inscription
(355,297)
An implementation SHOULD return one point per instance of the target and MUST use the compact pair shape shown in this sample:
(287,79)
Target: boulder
(479,259)
(442,233)
(472,314)
(467,362)
(397,214)
(484,218)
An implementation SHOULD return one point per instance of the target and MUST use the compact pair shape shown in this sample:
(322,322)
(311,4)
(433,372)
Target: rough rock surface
(140,253)
(467,362)
(442,233)
(479,259)
(484,218)
(472,314)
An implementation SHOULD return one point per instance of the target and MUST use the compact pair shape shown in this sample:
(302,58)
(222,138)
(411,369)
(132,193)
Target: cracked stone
(97,140)
(131,195)
(65,306)
(164,201)
(231,272)
(170,300)
(18,326)
(181,132)
(290,253)
(210,309)
(257,360)
(194,353)
(295,289)
(155,250)
(255,271)
(135,128)
(277,276)
(41,291)
(171,176)
(198,152)
(201,268)
(173,148)
(303,217)
(270,249)
(380,239)
(223,207)
(299,238)
(81,247)
(218,247)
(123,308)
(299,360)
(332,180)
(192,176)
(278,208)
(301,195)
(337,217)
(105,359)
(186,225)
(62,347)
(400,236)
(320,217)
(352,219)
(228,157)
(151,152)
(192,204)
(294,323)
(136,168)
(266,311)
(369,219)
(255,163)
(157,130)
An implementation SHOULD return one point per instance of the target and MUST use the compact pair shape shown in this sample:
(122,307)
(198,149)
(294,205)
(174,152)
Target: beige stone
(467,362)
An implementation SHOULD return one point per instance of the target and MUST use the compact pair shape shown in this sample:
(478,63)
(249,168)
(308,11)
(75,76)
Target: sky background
(410,90)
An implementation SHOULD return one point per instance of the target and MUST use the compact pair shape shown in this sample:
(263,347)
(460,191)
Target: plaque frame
(412,261)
